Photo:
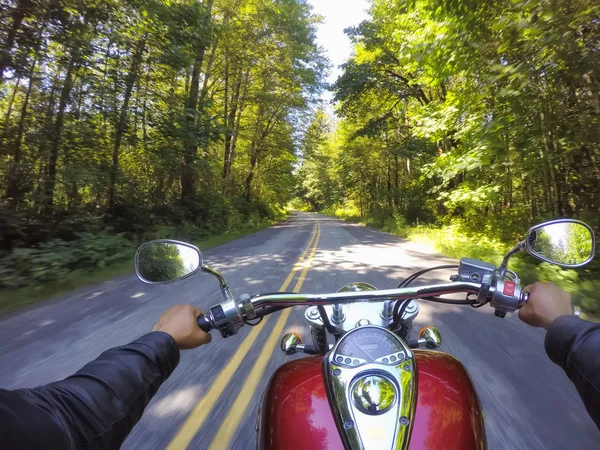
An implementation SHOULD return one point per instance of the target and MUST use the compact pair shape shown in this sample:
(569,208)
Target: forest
(457,123)
(124,120)
(462,123)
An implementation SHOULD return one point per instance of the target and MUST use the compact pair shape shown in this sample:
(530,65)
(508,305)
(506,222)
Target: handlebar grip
(524,299)
(204,323)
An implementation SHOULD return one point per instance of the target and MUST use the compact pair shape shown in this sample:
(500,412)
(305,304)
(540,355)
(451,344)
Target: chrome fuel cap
(374,394)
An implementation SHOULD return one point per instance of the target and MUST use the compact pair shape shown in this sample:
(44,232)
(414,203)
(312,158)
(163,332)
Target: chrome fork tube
(388,310)
(338,314)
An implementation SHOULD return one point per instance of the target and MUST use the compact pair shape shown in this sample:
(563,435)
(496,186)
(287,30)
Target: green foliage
(477,119)
(152,119)
(54,259)
(125,109)
(347,211)
(298,204)
(397,225)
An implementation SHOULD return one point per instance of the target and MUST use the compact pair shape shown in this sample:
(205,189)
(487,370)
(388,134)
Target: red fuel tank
(295,413)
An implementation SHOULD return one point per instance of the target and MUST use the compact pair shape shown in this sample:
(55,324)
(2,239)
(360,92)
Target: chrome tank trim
(384,428)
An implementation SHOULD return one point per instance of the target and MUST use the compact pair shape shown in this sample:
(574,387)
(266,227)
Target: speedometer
(369,345)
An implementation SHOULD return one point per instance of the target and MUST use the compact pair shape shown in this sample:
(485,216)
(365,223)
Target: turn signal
(432,337)
(289,343)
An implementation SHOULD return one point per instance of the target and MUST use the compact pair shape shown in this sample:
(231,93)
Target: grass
(11,300)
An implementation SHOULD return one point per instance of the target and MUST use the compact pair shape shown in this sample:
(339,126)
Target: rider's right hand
(181,322)
(546,302)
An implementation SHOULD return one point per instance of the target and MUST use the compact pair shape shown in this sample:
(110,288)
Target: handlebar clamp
(246,308)
(507,296)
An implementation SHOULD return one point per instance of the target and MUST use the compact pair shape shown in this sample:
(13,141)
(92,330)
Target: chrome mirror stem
(516,249)
(224,288)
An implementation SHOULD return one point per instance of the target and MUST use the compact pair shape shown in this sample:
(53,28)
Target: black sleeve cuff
(559,338)
(165,349)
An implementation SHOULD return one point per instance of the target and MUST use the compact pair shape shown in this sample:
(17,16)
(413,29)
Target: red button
(509,288)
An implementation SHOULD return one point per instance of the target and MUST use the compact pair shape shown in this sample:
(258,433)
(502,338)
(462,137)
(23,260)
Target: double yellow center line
(237,410)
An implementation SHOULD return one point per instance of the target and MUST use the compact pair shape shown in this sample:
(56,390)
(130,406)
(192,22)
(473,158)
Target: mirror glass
(158,262)
(562,243)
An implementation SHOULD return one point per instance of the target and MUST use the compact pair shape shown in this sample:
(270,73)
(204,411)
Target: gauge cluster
(371,378)
(369,345)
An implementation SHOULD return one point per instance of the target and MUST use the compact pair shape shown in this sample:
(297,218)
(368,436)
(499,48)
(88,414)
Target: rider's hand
(546,302)
(181,322)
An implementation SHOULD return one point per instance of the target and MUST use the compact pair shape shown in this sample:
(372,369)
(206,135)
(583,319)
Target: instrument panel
(367,346)
(371,377)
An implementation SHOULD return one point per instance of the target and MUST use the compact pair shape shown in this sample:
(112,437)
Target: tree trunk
(145,112)
(207,74)
(13,193)
(250,176)
(205,87)
(188,176)
(390,194)
(239,108)
(254,149)
(230,138)
(227,139)
(508,199)
(48,200)
(6,122)
(21,9)
(101,107)
(136,60)
(548,156)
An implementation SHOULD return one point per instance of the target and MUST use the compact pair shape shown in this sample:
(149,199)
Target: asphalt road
(528,401)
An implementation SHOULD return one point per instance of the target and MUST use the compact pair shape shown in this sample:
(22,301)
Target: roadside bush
(587,297)
(347,211)
(397,225)
(56,258)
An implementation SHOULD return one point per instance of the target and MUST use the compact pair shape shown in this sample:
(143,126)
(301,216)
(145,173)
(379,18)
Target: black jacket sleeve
(574,344)
(94,409)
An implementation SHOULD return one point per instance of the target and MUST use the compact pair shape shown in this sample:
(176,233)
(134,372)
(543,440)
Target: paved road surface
(528,402)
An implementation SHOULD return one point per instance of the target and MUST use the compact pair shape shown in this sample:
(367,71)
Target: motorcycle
(373,387)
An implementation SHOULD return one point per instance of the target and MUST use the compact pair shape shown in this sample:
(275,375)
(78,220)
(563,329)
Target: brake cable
(400,306)
(416,275)
(264,311)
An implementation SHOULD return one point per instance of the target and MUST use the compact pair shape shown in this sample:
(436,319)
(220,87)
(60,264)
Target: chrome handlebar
(229,316)
(364,296)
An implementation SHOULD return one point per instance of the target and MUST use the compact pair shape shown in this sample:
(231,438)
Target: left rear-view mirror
(164,260)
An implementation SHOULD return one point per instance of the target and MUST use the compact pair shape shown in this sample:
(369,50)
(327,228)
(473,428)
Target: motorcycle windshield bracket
(372,386)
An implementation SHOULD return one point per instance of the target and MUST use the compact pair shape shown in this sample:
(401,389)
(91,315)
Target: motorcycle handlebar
(434,290)
(266,304)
